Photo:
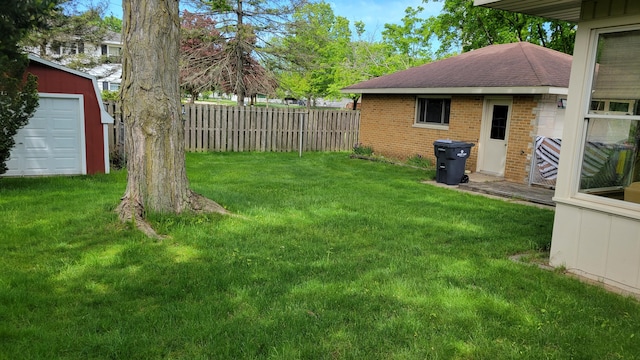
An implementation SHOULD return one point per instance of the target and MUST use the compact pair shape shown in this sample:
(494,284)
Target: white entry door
(52,143)
(494,136)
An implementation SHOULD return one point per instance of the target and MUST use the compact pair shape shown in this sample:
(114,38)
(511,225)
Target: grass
(335,258)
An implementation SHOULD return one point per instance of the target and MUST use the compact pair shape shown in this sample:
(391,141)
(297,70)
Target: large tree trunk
(154,128)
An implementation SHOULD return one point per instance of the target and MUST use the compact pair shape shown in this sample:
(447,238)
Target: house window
(114,86)
(611,158)
(433,111)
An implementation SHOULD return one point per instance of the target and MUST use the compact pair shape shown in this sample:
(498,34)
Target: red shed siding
(55,81)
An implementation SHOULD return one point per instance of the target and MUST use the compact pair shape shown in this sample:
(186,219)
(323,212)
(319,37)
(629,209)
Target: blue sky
(374,13)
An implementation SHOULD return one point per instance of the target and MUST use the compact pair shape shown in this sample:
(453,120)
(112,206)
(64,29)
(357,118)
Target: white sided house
(597,222)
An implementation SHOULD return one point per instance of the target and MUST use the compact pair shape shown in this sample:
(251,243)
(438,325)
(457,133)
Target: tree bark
(240,39)
(154,128)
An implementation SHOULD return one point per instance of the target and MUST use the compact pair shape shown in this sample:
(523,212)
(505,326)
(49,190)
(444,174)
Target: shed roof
(499,69)
(104,115)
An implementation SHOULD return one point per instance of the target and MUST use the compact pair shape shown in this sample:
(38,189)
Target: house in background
(596,230)
(500,98)
(106,57)
(68,134)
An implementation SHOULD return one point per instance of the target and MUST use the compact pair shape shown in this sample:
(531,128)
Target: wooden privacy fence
(232,128)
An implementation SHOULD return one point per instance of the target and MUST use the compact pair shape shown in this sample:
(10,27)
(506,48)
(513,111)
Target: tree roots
(131,210)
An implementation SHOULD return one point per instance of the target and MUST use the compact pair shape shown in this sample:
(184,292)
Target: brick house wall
(388,125)
(521,139)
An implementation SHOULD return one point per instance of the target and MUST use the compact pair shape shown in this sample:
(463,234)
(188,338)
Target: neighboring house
(109,74)
(68,133)
(597,220)
(107,55)
(499,97)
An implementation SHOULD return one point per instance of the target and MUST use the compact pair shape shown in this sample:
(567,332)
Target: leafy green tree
(319,43)
(68,31)
(18,98)
(409,41)
(461,26)
(112,23)
(403,46)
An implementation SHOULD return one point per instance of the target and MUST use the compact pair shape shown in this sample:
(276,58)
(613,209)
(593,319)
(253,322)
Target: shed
(68,134)
(501,98)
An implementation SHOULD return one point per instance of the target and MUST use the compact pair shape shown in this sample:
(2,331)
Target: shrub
(360,149)
(117,160)
(18,102)
(420,161)
(110,95)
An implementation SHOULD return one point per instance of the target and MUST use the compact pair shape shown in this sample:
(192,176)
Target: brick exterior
(387,124)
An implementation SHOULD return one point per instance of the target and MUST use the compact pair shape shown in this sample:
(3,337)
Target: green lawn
(333,258)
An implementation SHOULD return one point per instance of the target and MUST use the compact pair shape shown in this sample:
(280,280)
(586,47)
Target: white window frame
(608,205)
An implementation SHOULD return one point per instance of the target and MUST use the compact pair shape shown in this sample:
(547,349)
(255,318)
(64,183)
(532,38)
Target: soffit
(567,10)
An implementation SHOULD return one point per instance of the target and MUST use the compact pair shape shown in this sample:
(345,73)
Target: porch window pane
(609,156)
(611,163)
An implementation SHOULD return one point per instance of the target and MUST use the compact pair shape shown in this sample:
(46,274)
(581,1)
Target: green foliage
(110,95)
(410,40)
(420,161)
(18,98)
(318,45)
(463,26)
(112,23)
(360,149)
(68,28)
(18,102)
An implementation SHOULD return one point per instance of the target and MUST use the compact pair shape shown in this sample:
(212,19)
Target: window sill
(431,126)
(603,205)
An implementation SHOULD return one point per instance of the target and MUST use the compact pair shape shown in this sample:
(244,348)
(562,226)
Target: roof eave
(567,10)
(515,90)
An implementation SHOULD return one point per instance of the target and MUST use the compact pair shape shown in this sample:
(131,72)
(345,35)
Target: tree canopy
(461,26)
(318,44)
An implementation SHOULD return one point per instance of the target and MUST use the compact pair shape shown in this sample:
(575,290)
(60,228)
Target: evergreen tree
(18,97)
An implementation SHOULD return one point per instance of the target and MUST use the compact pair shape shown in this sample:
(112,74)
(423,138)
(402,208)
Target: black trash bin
(451,158)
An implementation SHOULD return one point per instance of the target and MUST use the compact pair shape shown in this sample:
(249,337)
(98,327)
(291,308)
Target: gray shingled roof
(521,65)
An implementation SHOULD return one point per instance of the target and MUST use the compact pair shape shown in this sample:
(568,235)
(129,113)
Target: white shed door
(52,142)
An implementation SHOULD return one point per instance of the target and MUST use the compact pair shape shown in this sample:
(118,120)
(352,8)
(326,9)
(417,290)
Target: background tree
(156,174)
(208,61)
(68,30)
(366,59)
(319,42)
(409,40)
(18,98)
(248,26)
(464,27)
(112,23)
(201,53)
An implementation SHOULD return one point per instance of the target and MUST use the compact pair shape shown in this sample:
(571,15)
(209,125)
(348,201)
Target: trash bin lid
(452,143)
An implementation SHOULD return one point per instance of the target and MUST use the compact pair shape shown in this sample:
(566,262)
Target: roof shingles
(508,65)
